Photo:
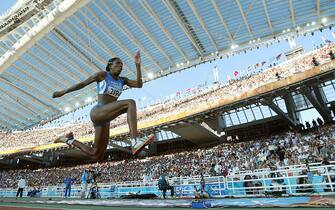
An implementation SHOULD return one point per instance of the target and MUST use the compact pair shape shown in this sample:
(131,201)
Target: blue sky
(180,81)
(6,4)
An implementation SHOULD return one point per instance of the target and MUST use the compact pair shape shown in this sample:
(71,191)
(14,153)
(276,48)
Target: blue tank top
(110,86)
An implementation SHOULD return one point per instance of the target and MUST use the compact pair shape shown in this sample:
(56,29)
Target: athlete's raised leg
(101,116)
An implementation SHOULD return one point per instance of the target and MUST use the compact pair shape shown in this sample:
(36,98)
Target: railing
(298,181)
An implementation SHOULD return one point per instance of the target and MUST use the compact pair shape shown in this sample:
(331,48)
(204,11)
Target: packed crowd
(283,150)
(203,98)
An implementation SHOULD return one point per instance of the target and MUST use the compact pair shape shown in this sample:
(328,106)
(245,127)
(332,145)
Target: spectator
(212,170)
(303,182)
(21,185)
(324,152)
(320,122)
(68,182)
(248,184)
(315,62)
(331,55)
(315,125)
(201,193)
(84,183)
(308,125)
(258,184)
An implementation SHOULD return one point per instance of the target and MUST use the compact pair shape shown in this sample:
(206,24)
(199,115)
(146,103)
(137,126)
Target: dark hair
(110,61)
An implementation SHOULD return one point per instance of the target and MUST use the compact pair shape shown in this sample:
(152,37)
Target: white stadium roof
(49,45)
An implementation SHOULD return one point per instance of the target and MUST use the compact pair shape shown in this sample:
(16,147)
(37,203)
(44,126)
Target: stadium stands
(23,139)
(285,151)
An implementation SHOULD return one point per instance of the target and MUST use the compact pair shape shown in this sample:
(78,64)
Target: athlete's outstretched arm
(138,82)
(94,78)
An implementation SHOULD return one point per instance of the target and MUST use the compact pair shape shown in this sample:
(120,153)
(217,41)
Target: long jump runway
(125,204)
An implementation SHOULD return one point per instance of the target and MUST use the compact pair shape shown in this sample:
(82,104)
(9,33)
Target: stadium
(261,137)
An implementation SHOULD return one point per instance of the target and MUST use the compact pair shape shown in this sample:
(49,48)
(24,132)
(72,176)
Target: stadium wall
(320,181)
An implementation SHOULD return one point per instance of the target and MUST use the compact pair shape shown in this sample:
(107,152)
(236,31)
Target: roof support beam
(62,66)
(75,51)
(96,39)
(318,102)
(292,12)
(45,77)
(15,120)
(218,12)
(202,24)
(18,109)
(45,94)
(47,106)
(244,17)
(4,123)
(155,17)
(59,65)
(33,113)
(63,51)
(318,8)
(290,106)
(16,114)
(269,102)
(184,27)
(78,69)
(109,33)
(57,16)
(267,15)
(64,80)
(123,28)
(132,14)
(75,38)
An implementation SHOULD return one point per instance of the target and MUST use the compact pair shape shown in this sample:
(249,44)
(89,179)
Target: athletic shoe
(64,139)
(138,147)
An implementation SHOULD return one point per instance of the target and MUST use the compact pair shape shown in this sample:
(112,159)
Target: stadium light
(178,65)
(284,31)
(151,75)
(67,109)
(88,100)
(307,24)
(298,27)
(324,20)
(288,30)
(313,23)
(77,104)
(234,46)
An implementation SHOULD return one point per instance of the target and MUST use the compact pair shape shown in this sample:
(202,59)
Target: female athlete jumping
(109,86)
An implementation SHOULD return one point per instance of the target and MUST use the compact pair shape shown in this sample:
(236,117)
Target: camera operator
(94,189)
(164,185)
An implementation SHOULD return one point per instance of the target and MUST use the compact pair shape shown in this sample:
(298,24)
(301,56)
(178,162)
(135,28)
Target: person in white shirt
(21,185)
